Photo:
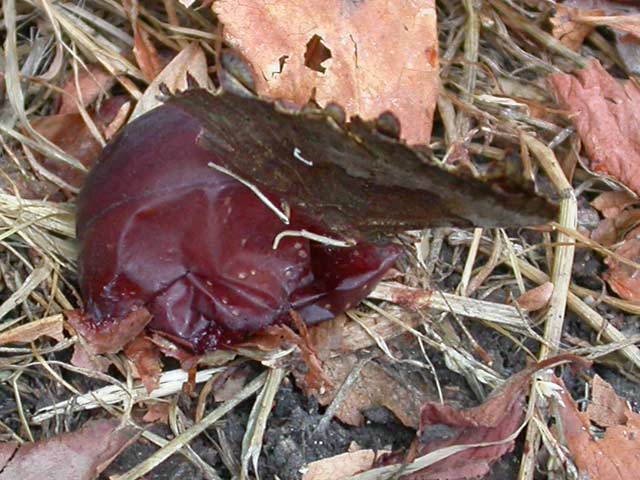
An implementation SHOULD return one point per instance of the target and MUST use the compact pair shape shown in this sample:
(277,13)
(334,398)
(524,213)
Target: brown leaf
(565,29)
(48,326)
(110,338)
(70,132)
(536,298)
(606,408)
(606,115)
(610,230)
(79,455)
(92,82)
(624,279)
(369,57)
(232,381)
(373,387)
(190,62)
(279,336)
(145,356)
(84,359)
(147,56)
(611,204)
(157,412)
(495,420)
(614,457)
(340,467)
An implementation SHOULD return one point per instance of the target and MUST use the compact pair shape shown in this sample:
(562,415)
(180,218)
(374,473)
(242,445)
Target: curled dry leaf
(79,455)
(48,326)
(157,412)
(496,420)
(616,456)
(190,63)
(70,132)
(373,387)
(147,56)
(369,57)
(340,467)
(606,408)
(92,82)
(606,115)
(611,204)
(624,279)
(84,359)
(146,361)
(536,298)
(568,31)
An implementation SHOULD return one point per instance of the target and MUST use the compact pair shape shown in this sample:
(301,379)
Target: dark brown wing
(358,182)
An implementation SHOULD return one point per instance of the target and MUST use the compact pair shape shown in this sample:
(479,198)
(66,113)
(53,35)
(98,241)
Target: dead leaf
(369,57)
(48,326)
(616,456)
(92,83)
(373,387)
(157,412)
(619,15)
(606,408)
(145,356)
(79,455)
(280,336)
(110,338)
(628,47)
(147,56)
(610,230)
(606,115)
(568,31)
(190,62)
(605,233)
(536,298)
(624,279)
(83,359)
(611,204)
(70,132)
(341,467)
(231,383)
(495,420)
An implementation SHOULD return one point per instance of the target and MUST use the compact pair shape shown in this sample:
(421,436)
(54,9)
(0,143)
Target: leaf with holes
(370,57)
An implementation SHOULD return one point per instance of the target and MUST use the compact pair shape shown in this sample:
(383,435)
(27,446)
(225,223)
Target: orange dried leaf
(89,361)
(536,298)
(48,326)
(79,455)
(369,57)
(70,132)
(110,339)
(189,62)
(614,457)
(147,56)
(624,279)
(145,356)
(373,387)
(157,412)
(606,407)
(340,466)
(568,31)
(92,83)
(606,115)
(611,204)
(231,384)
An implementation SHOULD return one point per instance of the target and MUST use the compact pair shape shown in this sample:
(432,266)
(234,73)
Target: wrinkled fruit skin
(161,230)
